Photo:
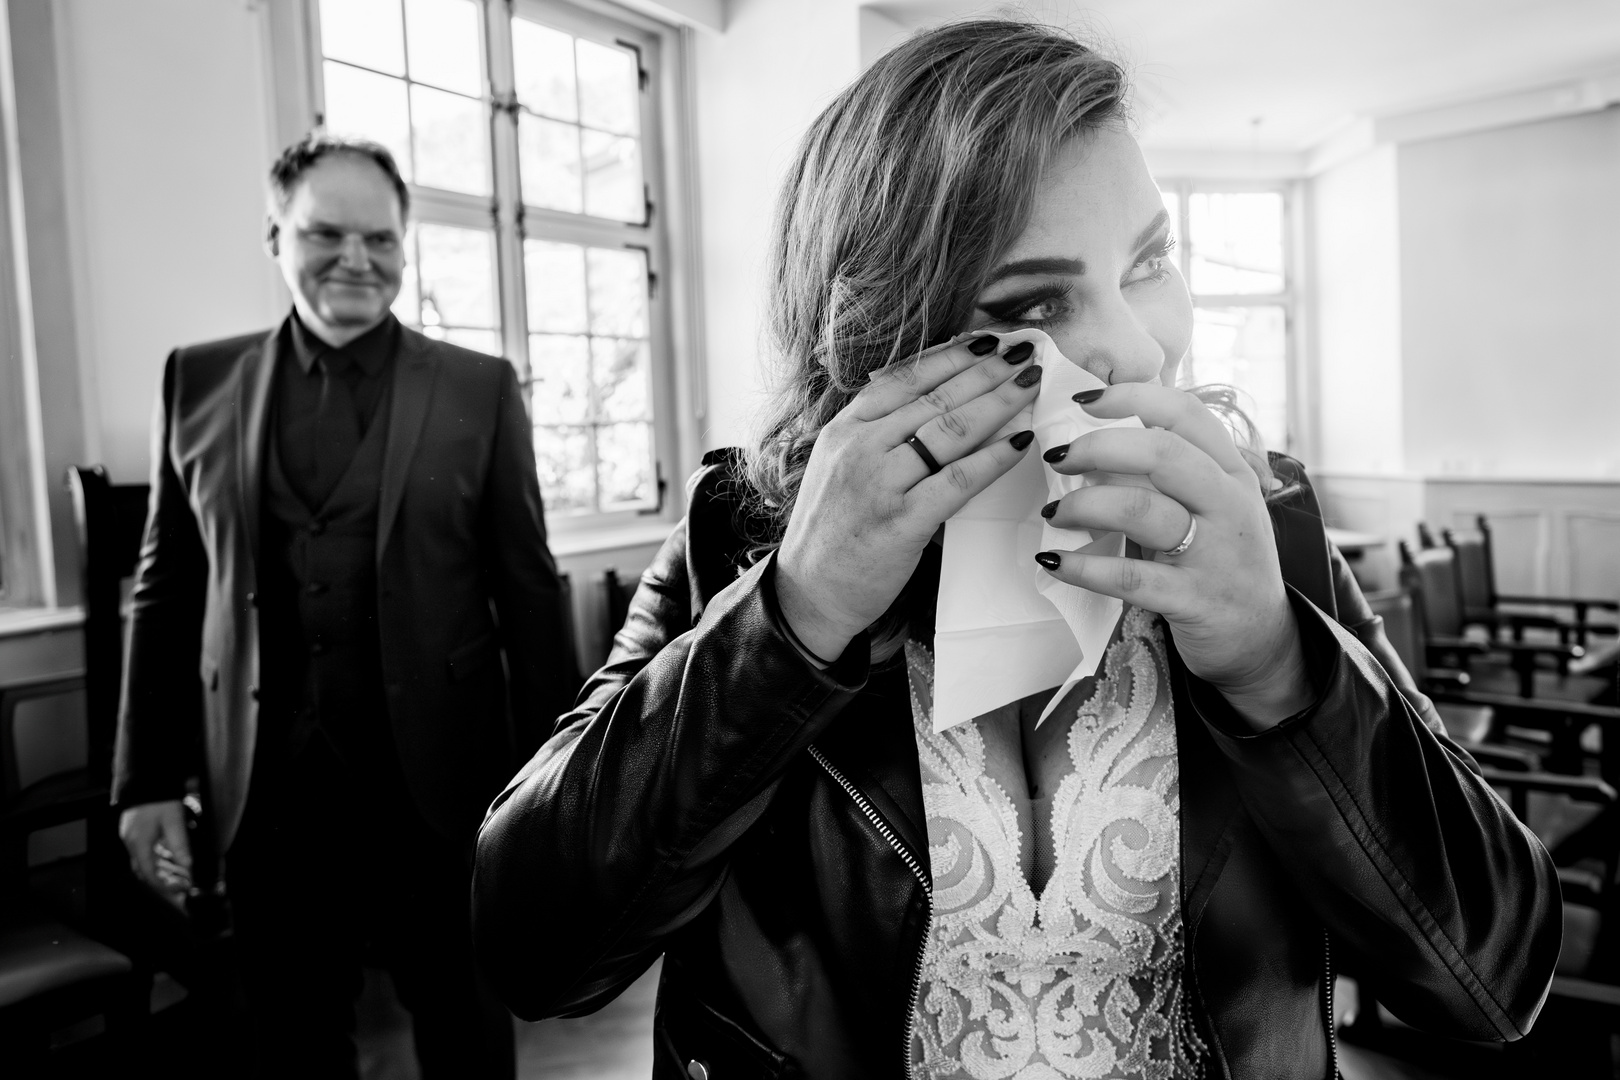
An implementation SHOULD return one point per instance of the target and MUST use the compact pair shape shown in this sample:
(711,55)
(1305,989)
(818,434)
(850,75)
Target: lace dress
(1083,980)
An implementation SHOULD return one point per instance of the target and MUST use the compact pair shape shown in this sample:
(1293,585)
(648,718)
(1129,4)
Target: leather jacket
(717,799)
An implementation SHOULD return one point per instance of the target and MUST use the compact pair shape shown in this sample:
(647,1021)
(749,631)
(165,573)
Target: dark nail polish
(1049,509)
(1022,439)
(1086,397)
(1057,453)
(1029,376)
(1019,352)
(984,346)
(1049,559)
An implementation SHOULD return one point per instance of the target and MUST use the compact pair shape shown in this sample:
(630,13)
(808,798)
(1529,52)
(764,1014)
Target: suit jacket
(760,822)
(463,573)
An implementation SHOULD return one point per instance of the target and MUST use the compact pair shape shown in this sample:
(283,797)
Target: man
(345,537)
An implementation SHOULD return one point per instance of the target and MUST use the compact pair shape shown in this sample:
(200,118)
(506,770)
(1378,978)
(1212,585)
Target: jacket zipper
(1327,1005)
(911,864)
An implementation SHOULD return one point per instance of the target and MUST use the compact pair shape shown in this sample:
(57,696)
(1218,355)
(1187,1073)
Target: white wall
(1357,286)
(759,85)
(167,140)
(1510,292)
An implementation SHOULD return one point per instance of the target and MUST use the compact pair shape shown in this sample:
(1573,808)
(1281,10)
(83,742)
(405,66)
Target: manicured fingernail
(1049,509)
(1022,439)
(1029,376)
(1019,353)
(1049,559)
(1056,454)
(984,346)
(1086,397)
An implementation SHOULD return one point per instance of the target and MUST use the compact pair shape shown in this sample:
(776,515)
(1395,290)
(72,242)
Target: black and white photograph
(810,539)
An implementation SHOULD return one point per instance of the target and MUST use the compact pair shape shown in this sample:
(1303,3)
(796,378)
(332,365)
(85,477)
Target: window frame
(1290,299)
(668,238)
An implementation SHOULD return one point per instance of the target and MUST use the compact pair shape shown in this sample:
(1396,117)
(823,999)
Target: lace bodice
(1083,980)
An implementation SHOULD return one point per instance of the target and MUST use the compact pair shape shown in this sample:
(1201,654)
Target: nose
(353,255)
(1119,346)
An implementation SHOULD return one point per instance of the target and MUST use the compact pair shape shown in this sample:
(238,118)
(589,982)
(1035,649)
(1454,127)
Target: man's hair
(302,155)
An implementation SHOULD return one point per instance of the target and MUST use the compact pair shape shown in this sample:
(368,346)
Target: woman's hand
(868,504)
(1223,596)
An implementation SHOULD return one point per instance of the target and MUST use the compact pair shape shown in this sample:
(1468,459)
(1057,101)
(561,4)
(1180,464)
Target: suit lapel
(257,375)
(414,371)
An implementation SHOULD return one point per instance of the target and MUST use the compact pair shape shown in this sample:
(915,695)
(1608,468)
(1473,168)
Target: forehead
(345,189)
(1097,193)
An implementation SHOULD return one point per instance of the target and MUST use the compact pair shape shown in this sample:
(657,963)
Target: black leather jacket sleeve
(1402,850)
(614,835)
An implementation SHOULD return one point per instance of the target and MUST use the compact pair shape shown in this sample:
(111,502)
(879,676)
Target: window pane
(563,456)
(1246,347)
(625,465)
(556,284)
(548,157)
(457,271)
(612,177)
(560,373)
(365,32)
(622,370)
(362,103)
(609,88)
(618,281)
(544,61)
(452,141)
(445,45)
(1237,242)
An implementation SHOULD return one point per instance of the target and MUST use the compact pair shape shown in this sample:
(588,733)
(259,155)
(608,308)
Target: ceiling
(1284,75)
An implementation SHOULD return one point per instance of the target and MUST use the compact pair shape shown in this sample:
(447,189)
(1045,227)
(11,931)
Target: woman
(1145,885)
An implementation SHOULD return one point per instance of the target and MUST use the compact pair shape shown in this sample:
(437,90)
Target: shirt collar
(370,350)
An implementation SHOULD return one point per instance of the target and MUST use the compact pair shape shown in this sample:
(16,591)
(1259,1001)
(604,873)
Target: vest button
(253,599)
(316,528)
(315,588)
(316,648)
(253,692)
(697,1070)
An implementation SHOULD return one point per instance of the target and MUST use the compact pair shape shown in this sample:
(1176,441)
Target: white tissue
(1004,628)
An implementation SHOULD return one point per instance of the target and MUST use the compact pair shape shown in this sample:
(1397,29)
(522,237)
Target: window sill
(591,541)
(17,622)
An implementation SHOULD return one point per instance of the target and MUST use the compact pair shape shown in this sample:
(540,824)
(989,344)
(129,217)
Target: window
(530,134)
(1234,252)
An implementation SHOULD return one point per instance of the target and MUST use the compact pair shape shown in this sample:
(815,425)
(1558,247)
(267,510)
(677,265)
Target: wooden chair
(619,592)
(52,974)
(1483,605)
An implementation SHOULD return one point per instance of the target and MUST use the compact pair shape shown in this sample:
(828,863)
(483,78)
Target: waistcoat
(322,658)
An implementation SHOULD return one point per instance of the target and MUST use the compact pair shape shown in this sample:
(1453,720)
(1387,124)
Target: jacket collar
(416,368)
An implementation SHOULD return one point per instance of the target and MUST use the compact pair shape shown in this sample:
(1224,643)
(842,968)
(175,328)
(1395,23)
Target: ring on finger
(928,458)
(1186,541)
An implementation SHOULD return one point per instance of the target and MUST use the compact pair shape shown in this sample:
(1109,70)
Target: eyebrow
(1051,264)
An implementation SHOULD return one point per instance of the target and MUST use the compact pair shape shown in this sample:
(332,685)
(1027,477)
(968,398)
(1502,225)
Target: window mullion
(507,201)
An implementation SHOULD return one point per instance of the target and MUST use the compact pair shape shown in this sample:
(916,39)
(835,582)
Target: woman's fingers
(1175,411)
(1178,468)
(900,384)
(1156,522)
(1154,586)
(941,495)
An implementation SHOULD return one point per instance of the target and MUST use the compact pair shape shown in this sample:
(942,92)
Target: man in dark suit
(345,541)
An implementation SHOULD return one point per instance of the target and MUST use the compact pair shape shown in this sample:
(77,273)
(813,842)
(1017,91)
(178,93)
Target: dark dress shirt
(363,364)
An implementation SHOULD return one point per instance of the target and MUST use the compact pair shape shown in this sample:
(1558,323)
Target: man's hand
(155,835)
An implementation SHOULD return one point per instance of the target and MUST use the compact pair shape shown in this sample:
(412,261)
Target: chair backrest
(1425,536)
(1431,577)
(111,520)
(619,593)
(1473,571)
(1395,607)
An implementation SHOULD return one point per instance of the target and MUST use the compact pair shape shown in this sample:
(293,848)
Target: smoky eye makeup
(1009,308)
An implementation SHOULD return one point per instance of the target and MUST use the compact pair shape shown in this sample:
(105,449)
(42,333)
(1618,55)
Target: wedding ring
(922,452)
(1186,541)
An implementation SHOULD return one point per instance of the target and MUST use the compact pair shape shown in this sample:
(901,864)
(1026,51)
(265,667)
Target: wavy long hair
(903,196)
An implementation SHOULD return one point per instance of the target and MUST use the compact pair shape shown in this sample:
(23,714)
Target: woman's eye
(1155,266)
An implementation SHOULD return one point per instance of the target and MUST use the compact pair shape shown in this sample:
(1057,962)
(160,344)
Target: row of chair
(1498,668)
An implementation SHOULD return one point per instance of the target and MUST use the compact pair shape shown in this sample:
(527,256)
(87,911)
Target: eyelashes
(1050,302)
